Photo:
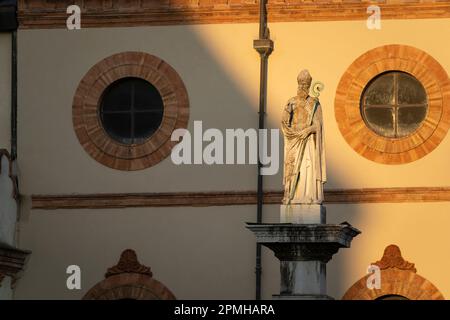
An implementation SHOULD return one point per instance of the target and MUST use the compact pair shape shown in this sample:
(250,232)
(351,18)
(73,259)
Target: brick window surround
(398,277)
(87,123)
(381,149)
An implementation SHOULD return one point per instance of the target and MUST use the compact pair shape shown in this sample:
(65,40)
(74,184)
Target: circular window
(126,108)
(131,110)
(394,104)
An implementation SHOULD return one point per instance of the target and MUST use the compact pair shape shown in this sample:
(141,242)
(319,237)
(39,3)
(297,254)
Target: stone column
(303,213)
(303,251)
(303,279)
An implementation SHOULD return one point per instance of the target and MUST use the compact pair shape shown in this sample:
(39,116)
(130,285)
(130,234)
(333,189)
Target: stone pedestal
(303,251)
(303,213)
(303,277)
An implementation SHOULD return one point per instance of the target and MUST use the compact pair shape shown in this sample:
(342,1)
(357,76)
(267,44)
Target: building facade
(95,179)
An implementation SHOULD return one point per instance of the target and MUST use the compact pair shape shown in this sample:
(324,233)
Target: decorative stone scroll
(398,278)
(128,263)
(392,258)
(129,280)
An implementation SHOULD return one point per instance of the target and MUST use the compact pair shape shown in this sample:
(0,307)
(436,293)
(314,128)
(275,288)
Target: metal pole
(264,46)
(14,95)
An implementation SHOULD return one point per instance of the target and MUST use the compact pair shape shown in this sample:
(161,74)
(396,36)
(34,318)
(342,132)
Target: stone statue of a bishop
(304,152)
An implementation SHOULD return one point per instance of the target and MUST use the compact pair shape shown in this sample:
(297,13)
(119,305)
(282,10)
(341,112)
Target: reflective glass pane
(380,120)
(398,90)
(410,90)
(409,119)
(380,91)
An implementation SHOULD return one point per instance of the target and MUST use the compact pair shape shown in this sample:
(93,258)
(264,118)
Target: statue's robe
(304,158)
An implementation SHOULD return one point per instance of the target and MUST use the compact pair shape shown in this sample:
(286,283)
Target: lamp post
(264,46)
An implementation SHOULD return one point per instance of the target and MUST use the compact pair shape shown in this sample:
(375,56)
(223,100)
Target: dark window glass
(117,97)
(131,110)
(118,126)
(392,297)
(146,124)
(394,104)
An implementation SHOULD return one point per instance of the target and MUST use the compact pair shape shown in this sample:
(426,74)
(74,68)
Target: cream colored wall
(206,252)
(221,72)
(419,229)
(51,64)
(198,253)
(5,90)
(332,48)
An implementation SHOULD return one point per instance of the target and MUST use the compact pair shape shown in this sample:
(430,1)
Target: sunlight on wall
(327,49)
(411,226)
(414,227)
(221,71)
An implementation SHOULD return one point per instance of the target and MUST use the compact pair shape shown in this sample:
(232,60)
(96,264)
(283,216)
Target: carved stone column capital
(304,251)
(306,242)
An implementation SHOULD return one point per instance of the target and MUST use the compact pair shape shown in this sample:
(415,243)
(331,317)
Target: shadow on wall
(51,158)
(340,270)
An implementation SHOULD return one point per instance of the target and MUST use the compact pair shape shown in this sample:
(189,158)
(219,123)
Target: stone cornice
(304,242)
(206,199)
(108,13)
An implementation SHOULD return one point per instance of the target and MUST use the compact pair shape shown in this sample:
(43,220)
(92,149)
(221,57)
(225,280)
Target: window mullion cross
(148,110)
(132,112)
(395,105)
